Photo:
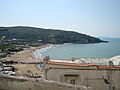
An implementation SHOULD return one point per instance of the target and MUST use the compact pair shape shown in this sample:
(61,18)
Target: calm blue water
(97,50)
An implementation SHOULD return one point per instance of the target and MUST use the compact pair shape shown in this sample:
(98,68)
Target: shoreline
(31,50)
(38,52)
(26,56)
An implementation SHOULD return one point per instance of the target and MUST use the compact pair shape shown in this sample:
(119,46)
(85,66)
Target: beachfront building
(99,76)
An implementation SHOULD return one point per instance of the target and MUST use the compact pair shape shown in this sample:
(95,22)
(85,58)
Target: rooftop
(81,65)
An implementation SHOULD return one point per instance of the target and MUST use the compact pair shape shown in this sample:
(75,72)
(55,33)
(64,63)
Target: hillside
(47,35)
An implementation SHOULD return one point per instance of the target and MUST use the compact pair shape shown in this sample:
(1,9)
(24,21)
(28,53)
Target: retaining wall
(22,83)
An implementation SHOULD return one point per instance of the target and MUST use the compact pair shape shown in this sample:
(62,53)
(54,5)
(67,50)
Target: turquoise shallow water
(97,50)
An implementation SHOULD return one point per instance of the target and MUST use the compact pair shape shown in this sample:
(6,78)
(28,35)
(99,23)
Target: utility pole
(47,58)
(110,75)
(87,82)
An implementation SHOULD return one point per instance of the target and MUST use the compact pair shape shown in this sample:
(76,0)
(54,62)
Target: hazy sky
(93,17)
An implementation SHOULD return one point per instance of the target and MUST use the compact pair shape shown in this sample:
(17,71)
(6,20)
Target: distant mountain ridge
(110,39)
(47,35)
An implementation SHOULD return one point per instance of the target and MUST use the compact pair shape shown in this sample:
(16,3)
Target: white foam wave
(38,53)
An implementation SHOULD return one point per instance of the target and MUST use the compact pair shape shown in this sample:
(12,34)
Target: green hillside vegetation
(47,35)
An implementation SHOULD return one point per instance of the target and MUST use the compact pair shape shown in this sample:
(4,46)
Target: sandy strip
(26,54)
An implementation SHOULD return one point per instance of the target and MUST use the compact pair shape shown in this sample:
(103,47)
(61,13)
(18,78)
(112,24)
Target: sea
(70,50)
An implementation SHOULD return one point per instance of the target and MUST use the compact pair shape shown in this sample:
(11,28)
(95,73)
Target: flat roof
(80,65)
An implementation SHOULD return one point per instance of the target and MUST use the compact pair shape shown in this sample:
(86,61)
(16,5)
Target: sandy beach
(28,52)
(26,56)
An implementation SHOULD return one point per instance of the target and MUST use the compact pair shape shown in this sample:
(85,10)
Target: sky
(91,17)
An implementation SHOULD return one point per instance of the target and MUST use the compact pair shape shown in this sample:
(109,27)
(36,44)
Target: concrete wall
(20,83)
(87,77)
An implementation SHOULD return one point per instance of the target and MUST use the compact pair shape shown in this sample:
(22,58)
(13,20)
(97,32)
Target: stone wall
(22,83)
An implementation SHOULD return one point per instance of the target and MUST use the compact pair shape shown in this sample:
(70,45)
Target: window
(71,78)
(72,81)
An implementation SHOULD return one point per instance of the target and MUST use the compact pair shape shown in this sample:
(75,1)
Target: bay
(97,50)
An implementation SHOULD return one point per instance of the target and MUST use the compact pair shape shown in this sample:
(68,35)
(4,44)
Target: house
(100,77)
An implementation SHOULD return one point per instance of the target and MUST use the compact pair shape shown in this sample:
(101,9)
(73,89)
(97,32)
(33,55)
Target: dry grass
(22,54)
(22,69)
